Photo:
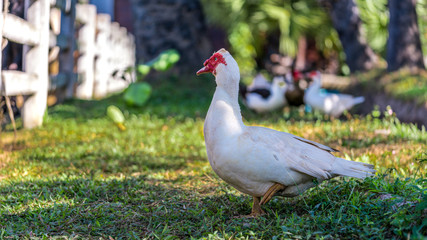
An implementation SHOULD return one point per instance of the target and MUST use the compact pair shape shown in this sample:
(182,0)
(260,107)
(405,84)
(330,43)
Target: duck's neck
(226,101)
(314,87)
(275,89)
(230,85)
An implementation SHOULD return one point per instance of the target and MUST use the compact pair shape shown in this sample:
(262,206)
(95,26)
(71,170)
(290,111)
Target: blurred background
(375,49)
(312,34)
(278,37)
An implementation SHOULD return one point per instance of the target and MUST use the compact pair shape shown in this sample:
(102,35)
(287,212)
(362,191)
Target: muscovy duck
(260,161)
(333,104)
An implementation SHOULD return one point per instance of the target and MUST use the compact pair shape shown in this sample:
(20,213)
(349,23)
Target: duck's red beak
(205,69)
(211,64)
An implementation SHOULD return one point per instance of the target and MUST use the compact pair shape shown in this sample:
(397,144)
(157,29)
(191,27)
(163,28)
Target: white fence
(55,30)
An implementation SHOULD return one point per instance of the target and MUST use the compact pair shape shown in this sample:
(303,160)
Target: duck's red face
(211,64)
(313,74)
(297,75)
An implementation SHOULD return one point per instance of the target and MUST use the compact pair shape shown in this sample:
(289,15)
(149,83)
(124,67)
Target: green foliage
(375,17)
(248,24)
(77,177)
(137,94)
(143,69)
(163,62)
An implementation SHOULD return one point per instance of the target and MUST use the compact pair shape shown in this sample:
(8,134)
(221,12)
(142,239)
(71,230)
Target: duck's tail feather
(348,168)
(358,100)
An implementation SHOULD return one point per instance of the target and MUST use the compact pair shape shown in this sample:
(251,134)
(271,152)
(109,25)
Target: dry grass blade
(12,118)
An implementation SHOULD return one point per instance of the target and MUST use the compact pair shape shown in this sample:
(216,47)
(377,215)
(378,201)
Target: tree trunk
(346,20)
(300,62)
(403,45)
(171,24)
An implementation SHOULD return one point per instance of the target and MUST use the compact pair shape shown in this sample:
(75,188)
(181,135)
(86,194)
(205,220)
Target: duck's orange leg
(270,193)
(256,208)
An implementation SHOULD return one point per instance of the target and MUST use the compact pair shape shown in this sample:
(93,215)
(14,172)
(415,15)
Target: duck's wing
(297,153)
(263,92)
(336,104)
(314,98)
(318,145)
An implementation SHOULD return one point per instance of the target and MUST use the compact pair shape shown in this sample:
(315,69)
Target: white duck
(333,104)
(259,82)
(260,161)
(275,100)
(259,86)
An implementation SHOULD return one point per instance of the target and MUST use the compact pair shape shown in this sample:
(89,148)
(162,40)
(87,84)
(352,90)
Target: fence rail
(87,47)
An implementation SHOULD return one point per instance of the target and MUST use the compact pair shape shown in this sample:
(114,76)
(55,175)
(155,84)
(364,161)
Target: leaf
(143,69)
(422,205)
(115,114)
(137,94)
(164,61)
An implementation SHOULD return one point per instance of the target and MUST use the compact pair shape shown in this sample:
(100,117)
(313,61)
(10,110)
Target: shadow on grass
(125,208)
(172,96)
(142,207)
(108,163)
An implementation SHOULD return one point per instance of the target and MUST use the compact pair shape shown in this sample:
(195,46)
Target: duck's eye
(216,59)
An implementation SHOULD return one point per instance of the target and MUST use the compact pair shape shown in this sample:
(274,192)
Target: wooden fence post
(36,62)
(132,56)
(113,48)
(116,84)
(120,59)
(102,62)
(86,15)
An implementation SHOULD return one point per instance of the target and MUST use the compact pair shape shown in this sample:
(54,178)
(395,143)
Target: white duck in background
(259,86)
(259,82)
(260,161)
(275,100)
(333,104)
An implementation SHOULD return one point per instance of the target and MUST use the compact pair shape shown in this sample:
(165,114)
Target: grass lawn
(81,177)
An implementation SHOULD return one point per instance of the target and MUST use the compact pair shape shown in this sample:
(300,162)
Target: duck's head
(279,81)
(297,75)
(221,63)
(279,85)
(316,77)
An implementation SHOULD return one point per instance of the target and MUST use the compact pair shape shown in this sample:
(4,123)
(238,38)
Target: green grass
(80,177)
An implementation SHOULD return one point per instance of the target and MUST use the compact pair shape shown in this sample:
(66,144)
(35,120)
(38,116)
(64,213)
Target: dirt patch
(406,111)
(4,160)
(9,145)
